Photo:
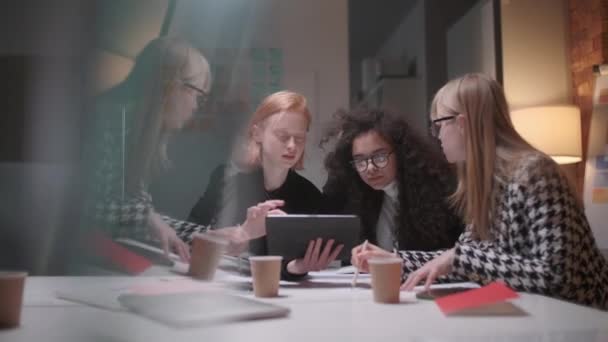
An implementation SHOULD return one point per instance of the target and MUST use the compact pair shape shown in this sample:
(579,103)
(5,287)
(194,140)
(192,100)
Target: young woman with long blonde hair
(525,223)
(169,81)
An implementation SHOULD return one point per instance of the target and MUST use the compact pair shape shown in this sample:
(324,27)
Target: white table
(323,313)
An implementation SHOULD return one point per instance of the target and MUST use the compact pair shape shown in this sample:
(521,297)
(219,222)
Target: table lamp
(554,130)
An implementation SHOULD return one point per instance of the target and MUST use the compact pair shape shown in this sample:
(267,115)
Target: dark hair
(425,179)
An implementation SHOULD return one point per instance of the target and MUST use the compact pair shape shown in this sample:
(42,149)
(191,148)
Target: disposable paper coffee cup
(386,279)
(205,257)
(11,298)
(266,272)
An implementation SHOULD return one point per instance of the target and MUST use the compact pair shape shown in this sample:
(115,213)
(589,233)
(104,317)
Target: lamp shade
(554,130)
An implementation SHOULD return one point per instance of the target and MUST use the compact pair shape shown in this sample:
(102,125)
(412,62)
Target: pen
(356,275)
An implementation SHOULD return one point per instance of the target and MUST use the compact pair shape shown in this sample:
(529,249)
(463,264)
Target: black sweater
(227,198)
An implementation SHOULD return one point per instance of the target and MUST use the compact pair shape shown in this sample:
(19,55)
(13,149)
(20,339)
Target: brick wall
(588,46)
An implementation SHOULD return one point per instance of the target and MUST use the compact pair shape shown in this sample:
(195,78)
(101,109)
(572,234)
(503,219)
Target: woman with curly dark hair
(395,180)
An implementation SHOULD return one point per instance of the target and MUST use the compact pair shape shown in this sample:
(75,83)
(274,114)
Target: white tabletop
(323,309)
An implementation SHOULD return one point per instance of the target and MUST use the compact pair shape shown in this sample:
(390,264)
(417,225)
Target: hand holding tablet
(319,255)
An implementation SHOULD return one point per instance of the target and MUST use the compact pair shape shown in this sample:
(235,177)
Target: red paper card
(118,255)
(490,294)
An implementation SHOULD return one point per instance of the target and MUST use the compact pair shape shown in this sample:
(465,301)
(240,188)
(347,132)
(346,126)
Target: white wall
(471,43)
(314,37)
(408,42)
(535,56)
(408,39)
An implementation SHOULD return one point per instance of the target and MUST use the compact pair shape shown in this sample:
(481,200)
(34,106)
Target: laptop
(191,309)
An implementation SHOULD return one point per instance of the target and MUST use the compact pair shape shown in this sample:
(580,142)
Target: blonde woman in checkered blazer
(169,81)
(525,224)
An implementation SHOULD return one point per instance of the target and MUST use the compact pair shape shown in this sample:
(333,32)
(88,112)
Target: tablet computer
(288,235)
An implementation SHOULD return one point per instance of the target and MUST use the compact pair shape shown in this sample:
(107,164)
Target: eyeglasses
(436,124)
(379,160)
(202,96)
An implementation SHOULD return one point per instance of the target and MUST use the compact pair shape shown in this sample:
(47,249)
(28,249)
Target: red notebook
(490,297)
(117,255)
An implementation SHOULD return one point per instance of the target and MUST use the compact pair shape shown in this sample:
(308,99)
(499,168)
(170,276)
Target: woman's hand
(255,223)
(315,259)
(254,227)
(437,267)
(168,238)
(365,251)
(235,236)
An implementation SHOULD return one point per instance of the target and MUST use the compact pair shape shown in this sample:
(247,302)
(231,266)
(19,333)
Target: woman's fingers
(277,212)
(274,203)
(251,212)
(354,255)
(269,205)
(262,209)
(366,255)
(357,251)
(430,278)
(315,253)
(164,242)
(414,279)
(408,280)
(308,255)
(175,244)
(325,254)
(334,254)
(183,252)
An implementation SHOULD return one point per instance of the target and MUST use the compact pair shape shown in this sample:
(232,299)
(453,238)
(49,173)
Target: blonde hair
(492,144)
(249,154)
(159,68)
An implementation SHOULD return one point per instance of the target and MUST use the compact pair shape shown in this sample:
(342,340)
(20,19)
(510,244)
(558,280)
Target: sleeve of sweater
(536,213)
(206,207)
(185,230)
(413,260)
(120,213)
(110,206)
(126,217)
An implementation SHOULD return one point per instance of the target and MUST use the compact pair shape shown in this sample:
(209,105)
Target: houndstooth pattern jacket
(109,206)
(541,242)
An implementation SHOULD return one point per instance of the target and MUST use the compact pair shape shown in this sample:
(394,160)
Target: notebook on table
(199,308)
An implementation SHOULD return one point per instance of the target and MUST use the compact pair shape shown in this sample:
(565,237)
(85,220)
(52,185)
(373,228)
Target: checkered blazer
(541,240)
(110,206)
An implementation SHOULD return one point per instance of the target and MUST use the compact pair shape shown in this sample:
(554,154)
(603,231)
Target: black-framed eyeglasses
(379,160)
(436,124)
(202,96)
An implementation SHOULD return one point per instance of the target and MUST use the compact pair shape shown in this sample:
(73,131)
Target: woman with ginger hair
(266,162)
